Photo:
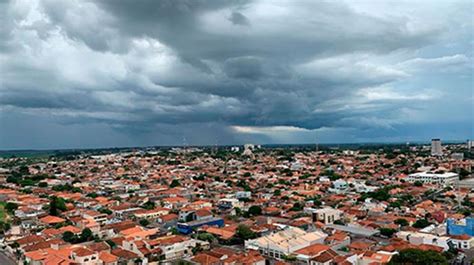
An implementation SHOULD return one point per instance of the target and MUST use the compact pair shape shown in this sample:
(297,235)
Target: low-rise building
(460,227)
(285,242)
(463,241)
(442,179)
(325,215)
(417,238)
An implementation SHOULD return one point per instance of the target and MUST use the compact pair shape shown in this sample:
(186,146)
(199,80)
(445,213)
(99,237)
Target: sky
(114,73)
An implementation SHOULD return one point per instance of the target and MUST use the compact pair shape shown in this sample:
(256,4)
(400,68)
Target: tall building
(436,149)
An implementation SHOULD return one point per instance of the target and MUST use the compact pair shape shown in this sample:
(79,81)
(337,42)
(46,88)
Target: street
(5,260)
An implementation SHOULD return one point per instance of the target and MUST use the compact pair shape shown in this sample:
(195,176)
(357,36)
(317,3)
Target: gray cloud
(143,66)
(239,19)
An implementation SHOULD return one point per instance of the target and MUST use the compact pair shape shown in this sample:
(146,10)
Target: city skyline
(99,74)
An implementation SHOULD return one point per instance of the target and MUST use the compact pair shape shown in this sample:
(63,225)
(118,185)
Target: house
(248,258)
(151,214)
(463,241)
(52,220)
(84,255)
(326,215)
(361,246)
(417,238)
(203,214)
(29,240)
(177,247)
(145,248)
(325,257)
(168,220)
(206,259)
(379,257)
(338,240)
(224,233)
(100,218)
(108,259)
(125,256)
(304,255)
(174,202)
(340,186)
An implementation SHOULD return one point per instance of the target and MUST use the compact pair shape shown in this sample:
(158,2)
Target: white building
(469,144)
(340,186)
(295,166)
(417,238)
(326,215)
(362,187)
(285,242)
(243,194)
(463,241)
(442,179)
(235,149)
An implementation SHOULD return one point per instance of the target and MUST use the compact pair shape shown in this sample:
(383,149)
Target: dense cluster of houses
(212,207)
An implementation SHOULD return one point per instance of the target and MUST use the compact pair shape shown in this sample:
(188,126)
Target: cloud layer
(115,73)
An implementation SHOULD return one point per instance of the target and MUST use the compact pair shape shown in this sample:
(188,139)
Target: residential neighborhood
(252,205)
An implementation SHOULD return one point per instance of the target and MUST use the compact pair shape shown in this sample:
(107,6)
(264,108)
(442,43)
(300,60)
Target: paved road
(5,260)
(469,256)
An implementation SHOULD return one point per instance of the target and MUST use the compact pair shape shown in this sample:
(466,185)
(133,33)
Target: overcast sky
(134,73)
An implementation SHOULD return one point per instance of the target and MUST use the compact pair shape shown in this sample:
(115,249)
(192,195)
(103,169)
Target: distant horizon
(421,142)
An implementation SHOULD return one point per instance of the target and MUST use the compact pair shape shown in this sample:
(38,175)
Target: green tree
(416,256)
(388,232)
(297,206)
(111,243)
(175,183)
(92,195)
(149,205)
(69,236)
(401,222)
(11,207)
(206,237)
(144,222)
(421,223)
(418,183)
(174,231)
(86,235)
(42,184)
(243,232)
(463,173)
(238,211)
(4,226)
(395,204)
(56,205)
(255,210)
(105,210)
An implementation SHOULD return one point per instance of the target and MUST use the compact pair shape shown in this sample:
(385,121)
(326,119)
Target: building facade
(442,179)
(436,148)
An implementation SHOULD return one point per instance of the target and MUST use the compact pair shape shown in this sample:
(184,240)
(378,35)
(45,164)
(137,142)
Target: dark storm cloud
(239,19)
(243,67)
(164,66)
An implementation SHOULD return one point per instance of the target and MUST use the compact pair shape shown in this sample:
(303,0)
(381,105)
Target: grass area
(3,212)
